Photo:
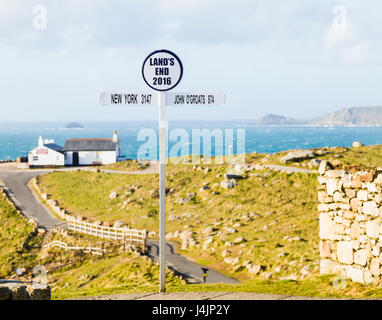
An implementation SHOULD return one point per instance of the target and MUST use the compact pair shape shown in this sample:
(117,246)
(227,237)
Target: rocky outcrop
(228,184)
(298,156)
(357,144)
(113,195)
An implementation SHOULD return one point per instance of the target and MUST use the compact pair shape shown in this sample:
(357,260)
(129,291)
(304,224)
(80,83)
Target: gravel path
(287,169)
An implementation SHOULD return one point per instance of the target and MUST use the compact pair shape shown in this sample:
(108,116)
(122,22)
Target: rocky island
(74,125)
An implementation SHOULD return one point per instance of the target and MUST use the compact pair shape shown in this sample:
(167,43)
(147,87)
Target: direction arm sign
(127,98)
(194,99)
(171,99)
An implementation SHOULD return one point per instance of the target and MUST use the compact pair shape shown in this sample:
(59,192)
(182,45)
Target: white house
(92,151)
(76,152)
(46,154)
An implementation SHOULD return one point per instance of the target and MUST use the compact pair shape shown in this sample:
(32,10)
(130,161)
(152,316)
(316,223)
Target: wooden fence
(133,236)
(65,246)
(103,248)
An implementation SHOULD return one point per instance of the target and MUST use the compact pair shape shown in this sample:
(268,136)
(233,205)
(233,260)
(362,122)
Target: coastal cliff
(347,117)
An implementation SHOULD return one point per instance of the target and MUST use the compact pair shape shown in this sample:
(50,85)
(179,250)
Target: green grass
(127,165)
(108,275)
(291,199)
(317,286)
(14,232)
(282,205)
(369,156)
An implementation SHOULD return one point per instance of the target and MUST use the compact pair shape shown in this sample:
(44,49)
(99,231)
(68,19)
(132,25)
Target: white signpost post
(162,71)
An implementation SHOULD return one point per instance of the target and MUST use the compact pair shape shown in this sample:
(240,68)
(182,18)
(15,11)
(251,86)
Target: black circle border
(175,56)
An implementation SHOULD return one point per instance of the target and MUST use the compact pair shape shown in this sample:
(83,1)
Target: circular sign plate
(162,70)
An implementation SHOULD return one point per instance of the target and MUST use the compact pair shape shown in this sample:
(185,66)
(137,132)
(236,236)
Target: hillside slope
(16,236)
(358,116)
(347,117)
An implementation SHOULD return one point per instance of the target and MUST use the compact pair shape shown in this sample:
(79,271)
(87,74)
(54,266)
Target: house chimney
(115,137)
(40,142)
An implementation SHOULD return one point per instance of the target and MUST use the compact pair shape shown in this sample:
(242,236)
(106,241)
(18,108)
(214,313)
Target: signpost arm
(162,192)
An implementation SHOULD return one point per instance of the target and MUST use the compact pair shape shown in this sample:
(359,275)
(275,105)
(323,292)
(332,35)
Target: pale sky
(298,58)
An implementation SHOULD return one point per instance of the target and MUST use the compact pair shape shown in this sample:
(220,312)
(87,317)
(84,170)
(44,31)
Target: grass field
(274,212)
(131,273)
(281,205)
(369,156)
(113,274)
(79,285)
(14,232)
(127,165)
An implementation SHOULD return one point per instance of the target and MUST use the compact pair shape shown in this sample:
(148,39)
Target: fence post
(144,247)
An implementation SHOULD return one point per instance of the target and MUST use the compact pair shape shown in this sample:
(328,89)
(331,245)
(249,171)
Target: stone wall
(18,290)
(350,209)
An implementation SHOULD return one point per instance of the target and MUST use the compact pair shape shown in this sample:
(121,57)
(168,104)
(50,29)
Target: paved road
(16,184)
(187,268)
(287,169)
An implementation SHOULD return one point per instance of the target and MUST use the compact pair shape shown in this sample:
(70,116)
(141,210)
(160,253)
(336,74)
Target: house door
(75,159)
(98,158)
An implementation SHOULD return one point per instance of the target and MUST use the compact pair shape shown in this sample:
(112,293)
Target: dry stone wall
(18,290)
(350,210)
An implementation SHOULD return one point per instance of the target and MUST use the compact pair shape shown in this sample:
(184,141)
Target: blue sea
(16,139)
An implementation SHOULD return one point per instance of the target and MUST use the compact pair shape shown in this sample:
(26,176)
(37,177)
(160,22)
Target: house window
(35,158)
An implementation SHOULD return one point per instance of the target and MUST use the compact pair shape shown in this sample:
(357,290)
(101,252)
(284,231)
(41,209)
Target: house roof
(90,145)
(54,147)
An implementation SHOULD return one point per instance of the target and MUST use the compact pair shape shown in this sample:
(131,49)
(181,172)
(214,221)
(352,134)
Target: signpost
(162,71)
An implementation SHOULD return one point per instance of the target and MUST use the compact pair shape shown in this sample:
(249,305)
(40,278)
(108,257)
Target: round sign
(162,70)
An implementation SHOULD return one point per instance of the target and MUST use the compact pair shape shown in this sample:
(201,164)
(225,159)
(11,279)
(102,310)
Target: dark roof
(90,145)
(54,147)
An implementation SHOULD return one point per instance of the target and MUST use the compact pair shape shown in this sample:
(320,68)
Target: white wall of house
(103,157)
(43,156)
(91,157)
